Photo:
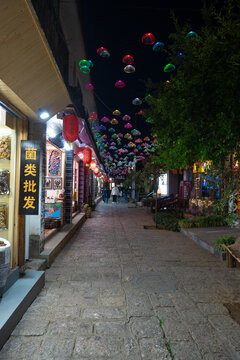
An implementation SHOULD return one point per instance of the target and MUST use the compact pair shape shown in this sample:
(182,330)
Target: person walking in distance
(115,193)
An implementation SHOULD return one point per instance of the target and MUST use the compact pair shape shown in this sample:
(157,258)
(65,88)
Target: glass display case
(7,175)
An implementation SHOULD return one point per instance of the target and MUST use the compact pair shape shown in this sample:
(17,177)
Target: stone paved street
(117,291)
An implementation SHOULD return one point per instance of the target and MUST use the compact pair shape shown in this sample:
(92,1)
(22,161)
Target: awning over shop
(29,76)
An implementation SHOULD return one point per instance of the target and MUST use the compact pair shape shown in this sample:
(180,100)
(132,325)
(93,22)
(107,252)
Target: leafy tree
(196,114)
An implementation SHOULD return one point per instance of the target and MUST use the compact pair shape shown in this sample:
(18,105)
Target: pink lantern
(119,84)
(128,126)
(105,119)
(146,138)
(89,87)
(138,141)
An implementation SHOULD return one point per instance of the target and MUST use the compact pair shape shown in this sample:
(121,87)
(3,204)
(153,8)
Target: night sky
(119,27)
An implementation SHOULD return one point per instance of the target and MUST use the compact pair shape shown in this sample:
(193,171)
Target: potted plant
(5,251)
(85,207)
(89,213)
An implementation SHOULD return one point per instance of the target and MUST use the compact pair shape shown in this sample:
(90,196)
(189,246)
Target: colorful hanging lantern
(126,118)
(102,128)
(114,121)
(89,87)
(137,101)
(116,113)
(70,127)
(158,46)
(120,135)
(92,116)
(169,68)
(146,138)
(87,156)
(140,112)
(138,141)
(119,84)
(129,69)
(192,34)
(84,66)
(104,119)
(128,126)
(111,130)
(128,60)
(148,39)
(93,164)
(103,52)
(135,132)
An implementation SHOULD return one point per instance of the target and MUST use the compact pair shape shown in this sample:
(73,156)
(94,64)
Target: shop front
(54,187)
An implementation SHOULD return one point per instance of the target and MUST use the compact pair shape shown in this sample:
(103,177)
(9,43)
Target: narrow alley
(118,291)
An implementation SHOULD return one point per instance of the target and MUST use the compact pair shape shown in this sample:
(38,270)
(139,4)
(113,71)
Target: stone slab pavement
(118,291)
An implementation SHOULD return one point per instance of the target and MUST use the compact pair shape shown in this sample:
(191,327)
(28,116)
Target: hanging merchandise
(70,128)
(87,156)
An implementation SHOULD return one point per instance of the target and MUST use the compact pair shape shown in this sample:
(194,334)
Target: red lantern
(87,156)
(70,128)
(96,171)
(93,165)
(148,39)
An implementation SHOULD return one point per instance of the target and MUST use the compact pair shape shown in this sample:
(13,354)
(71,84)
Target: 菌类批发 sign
(29,177)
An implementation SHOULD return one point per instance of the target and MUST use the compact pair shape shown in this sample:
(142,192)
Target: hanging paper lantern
(135,132)
(84,66)
(126,118)
(169,68)
(146,138)
(129,69)
(148,39)
(138,141)
(128,136)
(111,130)
(102,128)
(128,126)
(104,119)
(103,52)
(89,87)
(150,120)
(137,101)
(192,34)
(70,128)
(114,136)
(131,144)
(93,164)
(119,84)
(116,112)
(128,59)
(140,112)
(158,46)
(120,135)
(90,64)
(114,121)
(87,156)
(92,116)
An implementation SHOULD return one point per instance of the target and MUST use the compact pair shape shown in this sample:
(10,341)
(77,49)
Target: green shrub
(167,220)
(203,221)
(224,239)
